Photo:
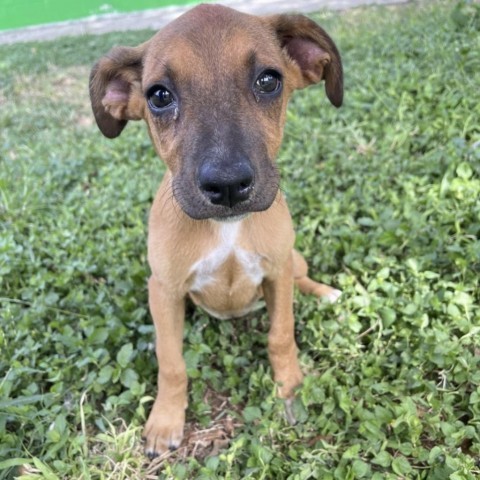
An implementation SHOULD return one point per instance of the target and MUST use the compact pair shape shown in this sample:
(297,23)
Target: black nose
(226,185)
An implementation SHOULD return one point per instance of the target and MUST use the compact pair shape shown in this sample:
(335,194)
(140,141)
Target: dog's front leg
(164,428)
(282,349)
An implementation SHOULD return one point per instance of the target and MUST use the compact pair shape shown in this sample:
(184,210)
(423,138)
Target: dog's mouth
(233,218)
(200,209)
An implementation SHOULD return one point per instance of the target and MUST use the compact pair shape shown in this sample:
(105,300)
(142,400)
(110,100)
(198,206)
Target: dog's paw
(289,411)
(288,380)
(320,290)
(333,295)
(163,430)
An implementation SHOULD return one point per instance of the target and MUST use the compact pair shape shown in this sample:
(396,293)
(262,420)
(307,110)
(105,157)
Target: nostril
(214,193)
(213,189)
(245,179)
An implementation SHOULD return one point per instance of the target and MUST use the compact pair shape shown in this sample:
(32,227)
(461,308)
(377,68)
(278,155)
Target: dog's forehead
(210,38)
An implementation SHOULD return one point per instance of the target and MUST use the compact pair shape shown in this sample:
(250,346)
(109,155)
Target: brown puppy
(213,88)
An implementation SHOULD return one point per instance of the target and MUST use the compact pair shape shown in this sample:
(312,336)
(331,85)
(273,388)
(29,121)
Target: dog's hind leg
(309,286)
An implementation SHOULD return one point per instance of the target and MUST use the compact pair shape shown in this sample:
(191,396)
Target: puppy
(213,87)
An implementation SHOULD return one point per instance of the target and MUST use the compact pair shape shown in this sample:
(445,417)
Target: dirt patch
(201,442)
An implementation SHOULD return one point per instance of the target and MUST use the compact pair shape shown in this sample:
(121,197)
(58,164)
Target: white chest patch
(204,269)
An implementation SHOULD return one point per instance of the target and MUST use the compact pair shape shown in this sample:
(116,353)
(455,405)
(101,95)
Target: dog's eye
(159,97)
(268,81)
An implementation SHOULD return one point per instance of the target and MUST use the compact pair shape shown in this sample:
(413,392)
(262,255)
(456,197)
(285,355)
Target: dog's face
(213,87)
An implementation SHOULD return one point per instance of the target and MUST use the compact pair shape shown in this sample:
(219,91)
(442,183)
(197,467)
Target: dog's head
(213,88)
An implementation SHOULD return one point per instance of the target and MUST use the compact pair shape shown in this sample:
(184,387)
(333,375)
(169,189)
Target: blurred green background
(23,13)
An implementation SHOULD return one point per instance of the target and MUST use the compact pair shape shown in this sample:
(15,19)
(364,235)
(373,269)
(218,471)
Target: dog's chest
(226,280)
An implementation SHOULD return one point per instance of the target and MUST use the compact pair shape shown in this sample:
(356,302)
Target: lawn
(385,198)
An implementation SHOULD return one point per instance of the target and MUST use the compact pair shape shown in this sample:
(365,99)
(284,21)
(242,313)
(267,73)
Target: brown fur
(210,58)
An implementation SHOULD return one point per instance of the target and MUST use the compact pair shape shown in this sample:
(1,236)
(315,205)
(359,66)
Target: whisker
(173,198)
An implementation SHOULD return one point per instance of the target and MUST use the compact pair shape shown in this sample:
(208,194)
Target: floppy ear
(115,89)
(313,51)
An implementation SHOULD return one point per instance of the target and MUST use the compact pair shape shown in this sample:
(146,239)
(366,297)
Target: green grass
(385,196)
